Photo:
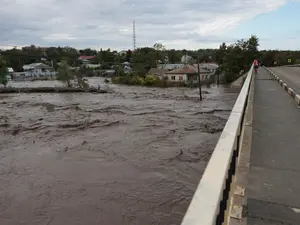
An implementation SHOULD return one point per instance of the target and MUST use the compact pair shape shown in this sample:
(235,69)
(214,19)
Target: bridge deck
(273,193)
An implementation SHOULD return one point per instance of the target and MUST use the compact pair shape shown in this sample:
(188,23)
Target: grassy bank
(148,80)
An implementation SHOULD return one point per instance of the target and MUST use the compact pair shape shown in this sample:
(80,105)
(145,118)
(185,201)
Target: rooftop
(210,66)
(169,66)
(158,71)
(188,69)
(86,57)
(35,65)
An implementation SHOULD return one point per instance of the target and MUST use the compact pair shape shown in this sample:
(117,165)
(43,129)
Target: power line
(134,37)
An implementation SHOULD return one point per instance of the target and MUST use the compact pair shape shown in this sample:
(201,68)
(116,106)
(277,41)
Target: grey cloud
(95,23)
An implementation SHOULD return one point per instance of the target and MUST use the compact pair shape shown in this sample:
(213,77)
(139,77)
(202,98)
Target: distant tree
(128,56)
(143,59)
(237,58)
(81,80)
(220,54)
(64,73)
(252,47)
(159,48)
(3,72)
(174,56)
(250,51)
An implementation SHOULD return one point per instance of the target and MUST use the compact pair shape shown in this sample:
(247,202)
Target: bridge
(253,176)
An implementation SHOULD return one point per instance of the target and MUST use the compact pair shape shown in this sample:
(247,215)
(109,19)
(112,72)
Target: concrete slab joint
(240,190)
(237,212)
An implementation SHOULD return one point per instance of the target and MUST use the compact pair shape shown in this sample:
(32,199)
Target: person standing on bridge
(256,64)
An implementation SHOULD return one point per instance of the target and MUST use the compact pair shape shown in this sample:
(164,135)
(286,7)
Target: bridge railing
(209,202)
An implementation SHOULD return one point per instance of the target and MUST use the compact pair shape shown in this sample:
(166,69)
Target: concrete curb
(238,203)
(289,90)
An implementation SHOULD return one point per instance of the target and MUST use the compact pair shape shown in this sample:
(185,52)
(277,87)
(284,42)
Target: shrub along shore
(148,80)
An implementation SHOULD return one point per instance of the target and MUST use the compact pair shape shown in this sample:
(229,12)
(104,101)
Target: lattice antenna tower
(134,37)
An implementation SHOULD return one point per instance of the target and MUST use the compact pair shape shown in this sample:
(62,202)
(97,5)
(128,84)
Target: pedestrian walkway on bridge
(273,191)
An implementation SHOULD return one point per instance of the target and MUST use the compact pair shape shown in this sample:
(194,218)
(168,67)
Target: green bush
(148,80)
(137,80)
(151,80)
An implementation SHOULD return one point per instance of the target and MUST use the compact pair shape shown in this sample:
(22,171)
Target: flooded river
(132,157)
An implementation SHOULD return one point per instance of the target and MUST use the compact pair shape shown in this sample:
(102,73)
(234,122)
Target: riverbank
(49,90)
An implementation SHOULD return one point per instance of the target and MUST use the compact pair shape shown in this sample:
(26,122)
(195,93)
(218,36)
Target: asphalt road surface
(274,185)
(289,75)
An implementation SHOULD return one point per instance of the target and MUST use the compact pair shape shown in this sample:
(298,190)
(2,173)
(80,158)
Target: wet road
(134,156)
(289,75)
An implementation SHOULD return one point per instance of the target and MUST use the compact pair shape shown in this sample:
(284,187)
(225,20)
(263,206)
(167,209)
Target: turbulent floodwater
(132,157)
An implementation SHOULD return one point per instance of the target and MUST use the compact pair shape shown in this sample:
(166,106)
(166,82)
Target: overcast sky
(189,24)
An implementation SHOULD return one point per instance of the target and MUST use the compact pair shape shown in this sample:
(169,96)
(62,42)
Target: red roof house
(85,57)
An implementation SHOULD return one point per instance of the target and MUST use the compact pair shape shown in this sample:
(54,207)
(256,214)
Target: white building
(186,59)
(39,70)
(93,66)
(10,72)
(212,67)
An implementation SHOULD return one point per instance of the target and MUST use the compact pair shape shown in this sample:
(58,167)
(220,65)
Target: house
(110,73)
(85,58)
(106,73)
(9,74)
(123,52)
(126,63)
(158,72)
(127,69)
(21,76)
(208,66)
(10,70)
(39,70)
(169,66)
(93,66)
(212,67)
(186,59)
(188,74)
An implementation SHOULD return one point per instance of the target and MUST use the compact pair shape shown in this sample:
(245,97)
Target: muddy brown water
(130,157)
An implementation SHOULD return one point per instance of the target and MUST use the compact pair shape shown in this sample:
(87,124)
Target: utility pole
(134,36)
(199,81)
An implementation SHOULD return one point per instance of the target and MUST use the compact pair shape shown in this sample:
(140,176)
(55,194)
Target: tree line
(237,58)
(148,56)
(232,59)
